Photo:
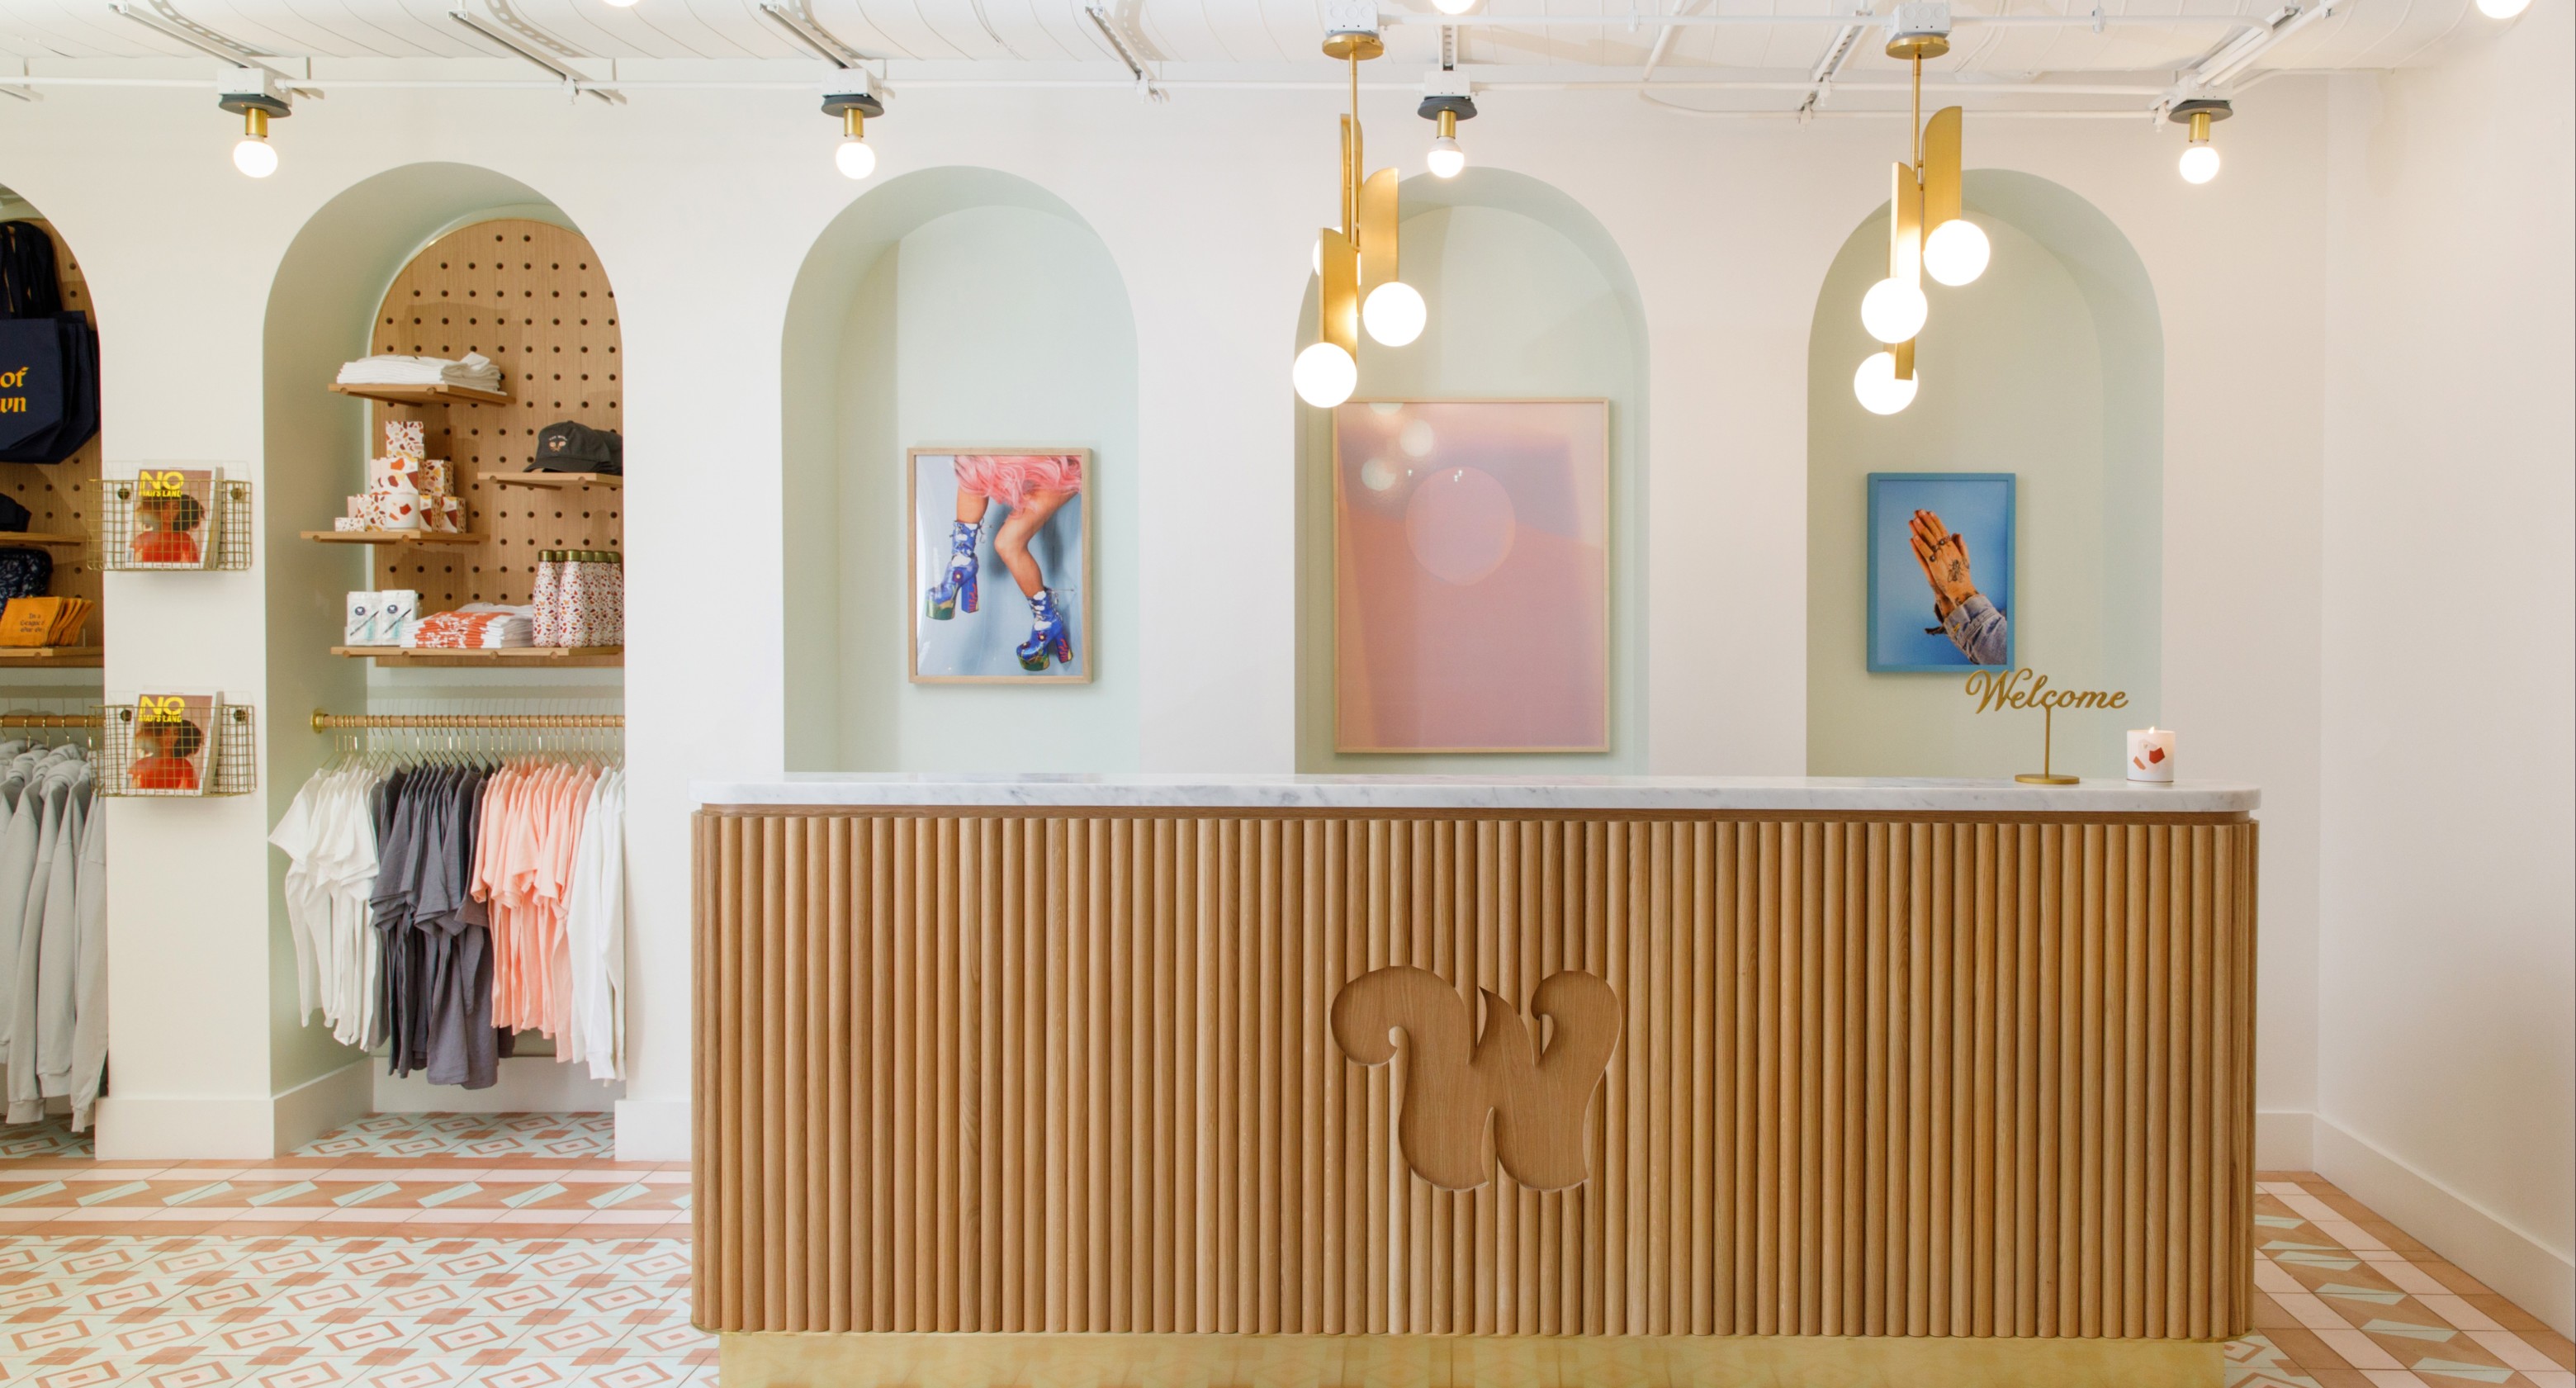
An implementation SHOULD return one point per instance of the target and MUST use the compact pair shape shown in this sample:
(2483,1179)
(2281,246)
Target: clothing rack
(49,720)
(328,722)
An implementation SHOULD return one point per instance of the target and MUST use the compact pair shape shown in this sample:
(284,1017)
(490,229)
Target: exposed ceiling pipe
(1693,21)
(1203,84)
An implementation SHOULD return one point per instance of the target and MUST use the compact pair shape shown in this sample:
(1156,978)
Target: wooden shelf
(423,395)
(393,537)
(554,479)
(539,657)
(49,539)
(56,657)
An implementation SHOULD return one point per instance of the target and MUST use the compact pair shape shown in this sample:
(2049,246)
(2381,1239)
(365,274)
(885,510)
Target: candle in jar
(2151,754)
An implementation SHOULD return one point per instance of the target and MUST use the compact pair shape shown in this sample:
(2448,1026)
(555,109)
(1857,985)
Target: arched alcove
(1530,299)
(325,308)
(951,308)
(62,501)
(2050,367)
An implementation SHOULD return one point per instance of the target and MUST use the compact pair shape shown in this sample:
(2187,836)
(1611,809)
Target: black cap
(567,446)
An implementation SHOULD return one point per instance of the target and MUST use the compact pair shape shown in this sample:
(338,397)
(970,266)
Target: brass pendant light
(1926,231)
(1357,262)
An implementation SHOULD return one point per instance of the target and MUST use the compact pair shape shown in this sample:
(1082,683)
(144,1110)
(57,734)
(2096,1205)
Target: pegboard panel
(532,297)
(63,497)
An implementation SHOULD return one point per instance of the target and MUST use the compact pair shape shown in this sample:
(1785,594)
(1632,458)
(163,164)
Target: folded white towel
(390,369)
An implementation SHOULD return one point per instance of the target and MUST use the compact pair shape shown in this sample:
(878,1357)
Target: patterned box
(406,438)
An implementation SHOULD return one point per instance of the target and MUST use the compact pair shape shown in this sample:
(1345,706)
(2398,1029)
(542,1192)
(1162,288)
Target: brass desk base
(791,1360)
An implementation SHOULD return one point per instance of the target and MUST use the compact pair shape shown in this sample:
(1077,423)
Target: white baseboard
(2518,1265)
(653,1130)
(321,1104)
(134,1127)
(527,1084)
(2285,1140)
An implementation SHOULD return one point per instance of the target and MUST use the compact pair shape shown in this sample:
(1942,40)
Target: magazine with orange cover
(174,518)
(172,748)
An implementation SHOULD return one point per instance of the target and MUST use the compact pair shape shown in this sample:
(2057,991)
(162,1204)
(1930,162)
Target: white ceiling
(1211,37)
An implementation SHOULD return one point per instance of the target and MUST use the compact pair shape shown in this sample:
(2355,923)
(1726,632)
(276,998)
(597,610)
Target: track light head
(853,106)
(255,95)
(1444,110)
(2200,157)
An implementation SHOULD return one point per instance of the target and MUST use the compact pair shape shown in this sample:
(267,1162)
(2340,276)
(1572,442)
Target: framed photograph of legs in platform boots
(1001,566)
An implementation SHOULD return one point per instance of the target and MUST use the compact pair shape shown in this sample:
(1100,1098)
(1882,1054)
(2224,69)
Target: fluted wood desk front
(1028,1082)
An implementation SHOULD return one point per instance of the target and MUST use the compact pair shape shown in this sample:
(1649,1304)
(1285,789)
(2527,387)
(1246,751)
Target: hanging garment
(431,908)
(41,1019)
(24,875)
(594,919)
(89,1010)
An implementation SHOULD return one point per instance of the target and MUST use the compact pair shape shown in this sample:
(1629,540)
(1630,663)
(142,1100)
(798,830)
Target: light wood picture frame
(1517,562)
(955,640)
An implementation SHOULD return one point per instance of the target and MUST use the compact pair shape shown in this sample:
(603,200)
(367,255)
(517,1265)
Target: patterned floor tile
(419,1251)
(51,1138)
(465,1135)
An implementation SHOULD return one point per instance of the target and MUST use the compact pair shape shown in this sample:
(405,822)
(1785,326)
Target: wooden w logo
(1456,1077)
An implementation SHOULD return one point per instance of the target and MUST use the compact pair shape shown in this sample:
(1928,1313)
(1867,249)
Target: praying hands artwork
(1976,626)
(1940,571)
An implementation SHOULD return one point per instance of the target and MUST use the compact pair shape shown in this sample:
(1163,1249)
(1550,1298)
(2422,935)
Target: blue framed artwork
(1940,571)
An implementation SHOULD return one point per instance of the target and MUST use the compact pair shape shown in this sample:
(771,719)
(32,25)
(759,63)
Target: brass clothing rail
(327,722)
(48,720)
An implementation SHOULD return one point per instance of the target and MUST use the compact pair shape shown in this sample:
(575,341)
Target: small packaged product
(359,627)
(396,610)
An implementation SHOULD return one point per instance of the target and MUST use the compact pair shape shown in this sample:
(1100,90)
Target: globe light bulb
(2495,9)
(1893,311)
(255,157)
(2199,163)
(854,159)
(1956,252)
(1446,158)
(1876,385)
(1453,6)
(1325,375)
(1394,313)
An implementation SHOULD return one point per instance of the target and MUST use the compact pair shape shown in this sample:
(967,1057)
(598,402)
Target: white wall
(704,207)
(2447,980)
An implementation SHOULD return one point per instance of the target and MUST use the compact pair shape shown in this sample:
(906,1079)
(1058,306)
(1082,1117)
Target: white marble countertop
(1249,791)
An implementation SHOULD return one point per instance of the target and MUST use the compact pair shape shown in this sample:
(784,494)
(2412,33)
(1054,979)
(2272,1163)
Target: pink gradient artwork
(1471,543)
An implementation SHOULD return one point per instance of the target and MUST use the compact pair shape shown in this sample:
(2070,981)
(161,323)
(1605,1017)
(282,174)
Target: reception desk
(1314,1080)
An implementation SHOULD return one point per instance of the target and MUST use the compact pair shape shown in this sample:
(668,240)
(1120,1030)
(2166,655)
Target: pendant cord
(1918,117)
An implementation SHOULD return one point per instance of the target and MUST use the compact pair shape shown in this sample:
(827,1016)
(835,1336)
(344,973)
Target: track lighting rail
(798,23)
(502,39)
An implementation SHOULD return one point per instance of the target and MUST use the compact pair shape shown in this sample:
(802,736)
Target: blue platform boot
(1047,636)
(959,585)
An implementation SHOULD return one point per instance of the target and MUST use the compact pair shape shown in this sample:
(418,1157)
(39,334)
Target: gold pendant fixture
(1358,261)
(1927,233)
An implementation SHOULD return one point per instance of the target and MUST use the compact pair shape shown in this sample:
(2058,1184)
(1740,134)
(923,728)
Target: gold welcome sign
(1455,1078)
(1998,690)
